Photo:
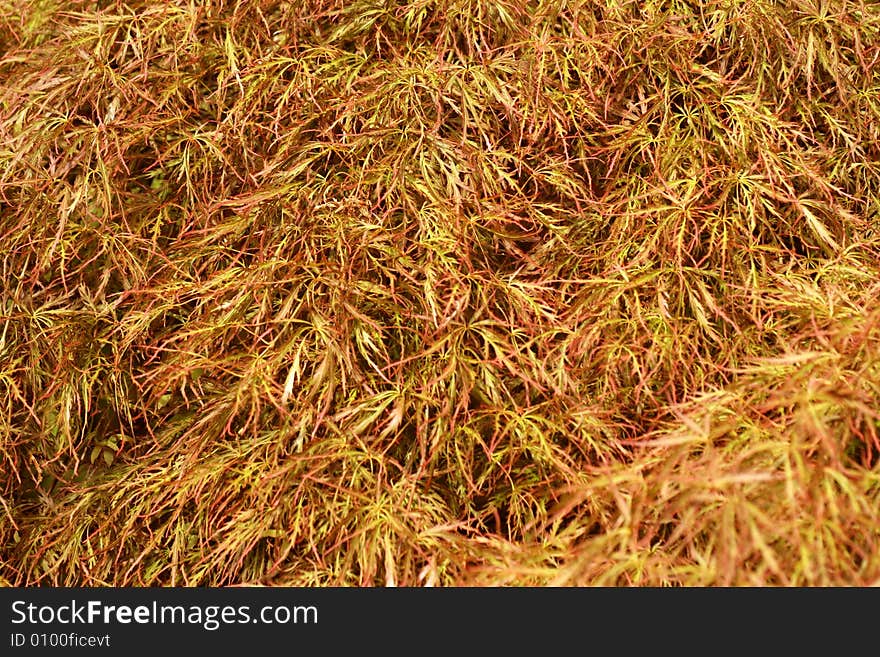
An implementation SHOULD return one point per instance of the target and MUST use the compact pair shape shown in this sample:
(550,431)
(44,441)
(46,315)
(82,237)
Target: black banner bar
(524,620)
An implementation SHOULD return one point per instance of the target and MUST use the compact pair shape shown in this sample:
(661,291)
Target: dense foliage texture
(440,292)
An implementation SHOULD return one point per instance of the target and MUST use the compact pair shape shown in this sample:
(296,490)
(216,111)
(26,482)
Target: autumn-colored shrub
(440,292)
